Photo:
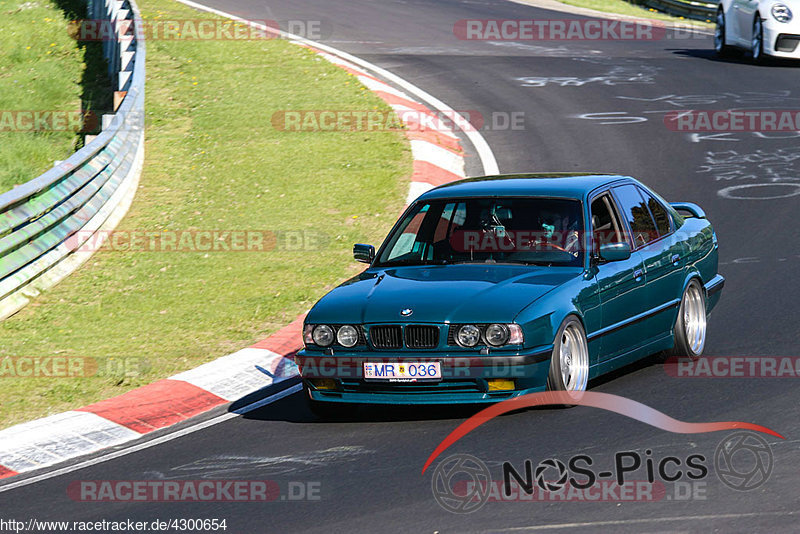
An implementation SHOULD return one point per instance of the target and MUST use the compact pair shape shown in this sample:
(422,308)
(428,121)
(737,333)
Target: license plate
(403,372)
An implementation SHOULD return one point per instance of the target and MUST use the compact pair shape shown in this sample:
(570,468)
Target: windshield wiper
(425,263)
(539,263)
(410,263)
(502,262)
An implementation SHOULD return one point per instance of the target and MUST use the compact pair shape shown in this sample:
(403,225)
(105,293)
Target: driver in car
(558,232)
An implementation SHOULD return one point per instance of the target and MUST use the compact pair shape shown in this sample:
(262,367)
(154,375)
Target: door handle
(676,259)
(637,275)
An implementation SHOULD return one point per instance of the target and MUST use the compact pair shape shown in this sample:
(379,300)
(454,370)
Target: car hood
(437,294)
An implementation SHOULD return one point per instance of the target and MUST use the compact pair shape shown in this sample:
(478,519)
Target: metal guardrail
(44,222)
(705,11)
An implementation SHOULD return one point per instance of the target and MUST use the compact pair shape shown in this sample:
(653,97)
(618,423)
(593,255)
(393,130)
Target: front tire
(757,42)
(569,365)
(690,326)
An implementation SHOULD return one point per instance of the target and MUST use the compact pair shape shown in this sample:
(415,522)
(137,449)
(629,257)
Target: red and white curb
(54,439)
(438,159)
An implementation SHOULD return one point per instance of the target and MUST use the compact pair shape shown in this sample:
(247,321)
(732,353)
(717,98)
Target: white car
(764,27)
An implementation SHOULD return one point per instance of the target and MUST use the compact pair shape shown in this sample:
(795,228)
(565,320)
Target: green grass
(40,69)
(626,8)
(214,162)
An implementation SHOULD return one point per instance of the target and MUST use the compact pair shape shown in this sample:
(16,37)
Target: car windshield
(536,231)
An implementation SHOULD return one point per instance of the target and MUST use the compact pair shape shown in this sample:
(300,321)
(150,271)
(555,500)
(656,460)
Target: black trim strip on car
(633,320)
(522,359)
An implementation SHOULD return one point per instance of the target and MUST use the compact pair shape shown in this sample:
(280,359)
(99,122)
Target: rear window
(636,212)
(659,212)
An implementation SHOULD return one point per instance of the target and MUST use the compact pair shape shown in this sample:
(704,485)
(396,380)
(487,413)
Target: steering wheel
(553,245)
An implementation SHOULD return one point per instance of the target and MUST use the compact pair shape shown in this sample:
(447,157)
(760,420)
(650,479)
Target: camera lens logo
(743,461)
(551,485)
(454,470)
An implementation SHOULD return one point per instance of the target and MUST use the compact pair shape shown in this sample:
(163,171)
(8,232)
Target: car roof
(567,185)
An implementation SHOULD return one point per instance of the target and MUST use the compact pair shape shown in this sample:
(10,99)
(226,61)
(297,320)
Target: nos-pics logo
(461,483)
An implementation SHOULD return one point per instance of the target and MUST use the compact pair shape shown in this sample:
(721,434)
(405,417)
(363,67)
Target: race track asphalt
(368,469)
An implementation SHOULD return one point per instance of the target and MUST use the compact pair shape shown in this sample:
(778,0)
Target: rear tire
(690,326)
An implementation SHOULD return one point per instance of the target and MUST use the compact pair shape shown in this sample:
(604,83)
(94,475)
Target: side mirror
(689,207)
(615,251)
(363,253)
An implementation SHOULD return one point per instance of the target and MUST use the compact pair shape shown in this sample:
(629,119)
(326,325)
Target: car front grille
(386,336)
(394,337)
(422,336)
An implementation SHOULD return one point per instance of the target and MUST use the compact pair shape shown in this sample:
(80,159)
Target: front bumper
(465,378)
(782,39)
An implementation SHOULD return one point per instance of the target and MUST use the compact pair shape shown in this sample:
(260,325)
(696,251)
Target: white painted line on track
(481,146)
(375,85)
(342,63)
(619,522)
(156,441)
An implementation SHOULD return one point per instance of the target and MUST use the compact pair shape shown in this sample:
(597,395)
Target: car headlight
(781,13)
(347,336)
(468,335)
(322,335)
(494,335)
(497,335)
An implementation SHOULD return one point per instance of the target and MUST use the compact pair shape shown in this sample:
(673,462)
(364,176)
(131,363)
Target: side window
(634,209)
(606,224)
(659,212)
